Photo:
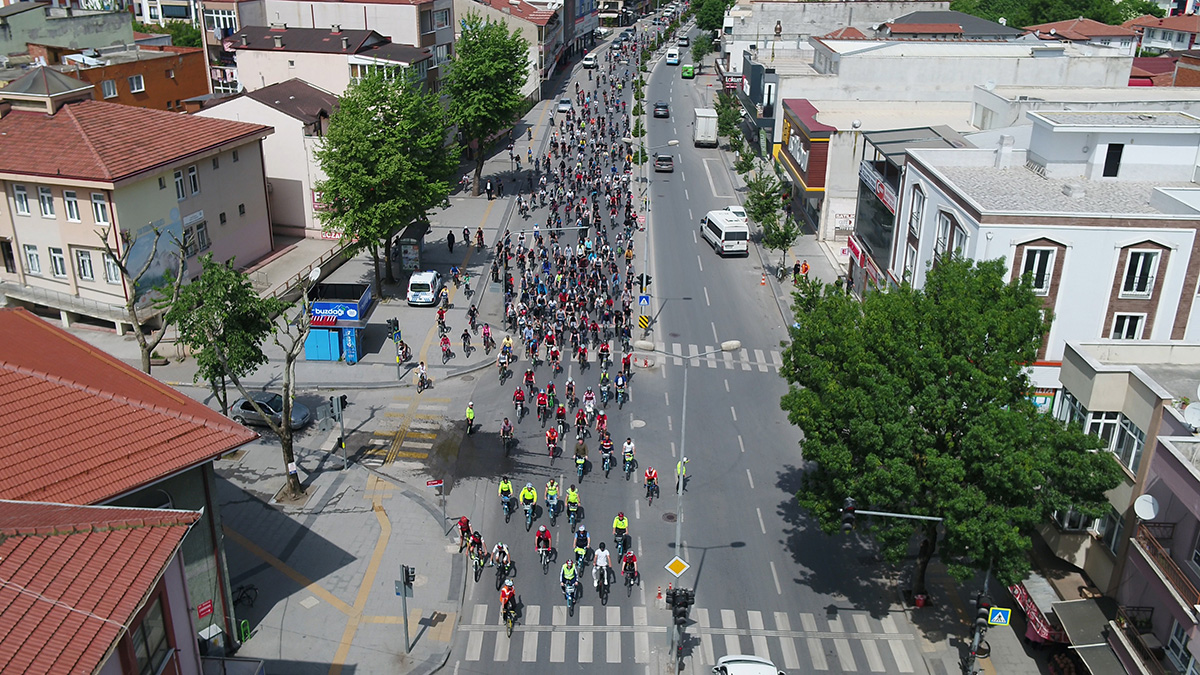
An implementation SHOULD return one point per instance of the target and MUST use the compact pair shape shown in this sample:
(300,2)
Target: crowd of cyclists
(568,296)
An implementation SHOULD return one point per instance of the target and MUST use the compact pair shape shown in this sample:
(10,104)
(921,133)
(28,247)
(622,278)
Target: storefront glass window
(874,225)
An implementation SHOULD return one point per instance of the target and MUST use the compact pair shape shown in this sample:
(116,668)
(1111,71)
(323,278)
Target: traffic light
(848,508)
(643,281)
(337,405)
(410,575)
(670,597)
(684,599)
(393,328)
(983,611)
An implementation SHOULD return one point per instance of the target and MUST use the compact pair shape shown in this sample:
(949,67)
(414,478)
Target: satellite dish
(1191,415)
(1146,507)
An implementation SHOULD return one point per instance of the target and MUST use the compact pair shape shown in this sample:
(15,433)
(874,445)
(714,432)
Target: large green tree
(224,323)
(916,401)
(701,47)
(1033,12)
(484,82)
(710,14)
(387,163)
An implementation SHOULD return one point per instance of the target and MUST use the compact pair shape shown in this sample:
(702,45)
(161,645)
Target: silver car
(272,404)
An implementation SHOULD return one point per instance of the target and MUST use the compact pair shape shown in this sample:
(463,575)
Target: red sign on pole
(204,609)
(434,483)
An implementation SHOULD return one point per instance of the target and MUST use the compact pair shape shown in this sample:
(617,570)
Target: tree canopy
(916,401)
(484,82)
(387,162)
(1021,13)
(710,14)
(183,34)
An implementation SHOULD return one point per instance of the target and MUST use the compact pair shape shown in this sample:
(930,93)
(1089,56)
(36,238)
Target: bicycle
(506,438)
(502,573)
(579,466)
(477,561)
(620,399)
(651,492)
(572,514)
(247,594)
(570,593)
(528,516)
(552,507)
(510,619)
(629,581)
(602,583)
(628,467)
(607,464)
(506,503)
(544,555)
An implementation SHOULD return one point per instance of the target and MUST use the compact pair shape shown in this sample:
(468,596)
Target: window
(1177,650)
(170,105)
(83,263)
(1104,425)
(1072,411)
(153,11)
(942,243)
(441,54)
(1072,521)
(162,183)
(221,18)
(33,264)
(1140,270)
(216,163)
(1111,529)
(189,241)
(441,19)
(222,217)
(960,239)
(1130,441)
(46,202)
(150,644)
(426,22)
(99,208)
(202,240)
(170,75)
(108,88)
(21,199)
(241,209)
(1039,263)
(1127,326)
(910,263)
(291,63)
(235,155)
(58,263)
(71,200)
(917,212)
(193,179)
(136,84)
(112,271)
(180,192)
(1112,160)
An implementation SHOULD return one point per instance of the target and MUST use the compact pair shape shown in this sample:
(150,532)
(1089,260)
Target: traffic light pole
(405,571)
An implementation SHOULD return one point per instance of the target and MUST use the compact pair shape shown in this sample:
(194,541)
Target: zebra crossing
(744,359)
(406,430)
(844,642)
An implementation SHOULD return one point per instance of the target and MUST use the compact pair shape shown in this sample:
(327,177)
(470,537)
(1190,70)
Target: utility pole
(404,589)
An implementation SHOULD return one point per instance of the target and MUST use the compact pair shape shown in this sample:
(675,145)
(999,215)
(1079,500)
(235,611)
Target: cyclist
(620,382)
(464,530)
(570,390)
(518,399)
(506,344)
(552,394)
(625,363)
(581,448)
(601,421)
(506,430)
(551,495)
(500,555)
(441,318)
(589,398)
(651,480)
(551,439)
(487,333)
(477,548)
(620,526)
(560,415)
(542,401)
(506,489)
(502,363)
(528,496)
(466,341)
(529,380)
(472,314)
(629,564)
(600,564)
(555,355)
(627,450)
(604,379)
(580,420)
(582,541)
(445,345)
(606,448)
(507,596)
(421,374)
(541,540)
(568,576)
(604,350)
(573,497)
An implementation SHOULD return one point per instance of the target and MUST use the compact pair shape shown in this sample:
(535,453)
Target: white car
(744,664)
(423,288)
(589,61)
(564,105)
(739,212)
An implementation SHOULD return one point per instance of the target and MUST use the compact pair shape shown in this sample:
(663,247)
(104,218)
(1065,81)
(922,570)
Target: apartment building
(145,76)
(540,24)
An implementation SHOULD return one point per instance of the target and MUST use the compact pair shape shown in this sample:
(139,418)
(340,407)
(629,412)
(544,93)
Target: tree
(224,323)
(745,161)
(762,198)
(728,114)
(779,234)
(146,283)
(386,162)
(710,15)
(183,34)
(916,401)
(484,82)
(701,47)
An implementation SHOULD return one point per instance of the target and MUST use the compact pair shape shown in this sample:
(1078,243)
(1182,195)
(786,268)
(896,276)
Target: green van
(687,71)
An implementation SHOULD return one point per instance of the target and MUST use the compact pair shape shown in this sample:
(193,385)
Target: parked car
(744,664)
(423,288)
(272,404)
(661,109)
(684,41)
(564,105)
(739,212)
(664,163)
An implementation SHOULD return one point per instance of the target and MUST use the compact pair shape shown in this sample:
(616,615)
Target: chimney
(245,41)
(1004,151)
(1073,190)
(335,29)
(5,108)
(345,42)
(278,41)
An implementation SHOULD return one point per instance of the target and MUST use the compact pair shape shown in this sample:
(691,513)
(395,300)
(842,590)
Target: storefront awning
(1085,623)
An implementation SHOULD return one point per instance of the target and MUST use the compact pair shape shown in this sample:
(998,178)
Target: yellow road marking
(290,573)
(411,455)
(424,436)
(368,582)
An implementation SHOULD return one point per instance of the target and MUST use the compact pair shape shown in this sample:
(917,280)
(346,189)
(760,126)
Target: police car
(423,288)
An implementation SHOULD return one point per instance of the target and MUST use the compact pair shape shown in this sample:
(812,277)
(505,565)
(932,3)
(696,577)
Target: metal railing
(1129,621)
(296,279)
(1167,566)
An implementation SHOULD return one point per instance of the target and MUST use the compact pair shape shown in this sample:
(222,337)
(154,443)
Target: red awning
(324,320)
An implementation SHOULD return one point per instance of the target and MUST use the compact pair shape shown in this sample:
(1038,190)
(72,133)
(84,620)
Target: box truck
(704,128)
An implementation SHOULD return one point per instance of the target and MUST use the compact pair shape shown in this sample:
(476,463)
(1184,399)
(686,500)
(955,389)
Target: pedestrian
(796,273)
(500,187)
(488,188)
(450,241)
(804,268)
(681,474)
(466,237)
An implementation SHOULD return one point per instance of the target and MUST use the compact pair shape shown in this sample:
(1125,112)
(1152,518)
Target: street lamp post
(647,346)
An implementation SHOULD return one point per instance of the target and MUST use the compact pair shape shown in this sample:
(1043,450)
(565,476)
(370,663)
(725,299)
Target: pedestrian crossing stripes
(406,431)
(744,359)
(845,642)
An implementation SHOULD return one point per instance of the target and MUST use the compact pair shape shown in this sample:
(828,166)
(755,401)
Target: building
(327,58)
(541,25)
(115,437)
(944,24)
(425,24)
(755,21)
(75,169)
(141,76)
(1172,33)
(1100,209)
(223,18)
(299,114)
(581,18)
(1088,32)
(1003,106)
(130,611)
(45,22)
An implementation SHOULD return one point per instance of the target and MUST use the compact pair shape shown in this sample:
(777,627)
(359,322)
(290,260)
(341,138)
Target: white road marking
(740,444)
(613,639)
(558,639)
(706,300)
(641,639)
(500,654)
(695,240)
(698,260)
(692,218)
(733,412)
(761,525)
(874,660)
(637,510)
(669,425)
(786,644)
(685,194)
(727,391)
(750,478)
(754,619)
(900,654)
(667,398)
(475,638)
(714,327)
(729,620)
(706,646)
(775,576)
(711,184)
(842,645)
(808,623)
(586,618)
(530,646)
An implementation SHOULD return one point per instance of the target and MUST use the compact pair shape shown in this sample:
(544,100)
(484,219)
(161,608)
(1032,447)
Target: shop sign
(882,190)
(856,253)
(347,310)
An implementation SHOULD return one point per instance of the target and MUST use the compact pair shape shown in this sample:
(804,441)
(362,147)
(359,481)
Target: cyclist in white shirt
(601,564)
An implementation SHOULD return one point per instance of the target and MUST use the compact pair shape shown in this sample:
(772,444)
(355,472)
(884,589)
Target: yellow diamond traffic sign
(677,566)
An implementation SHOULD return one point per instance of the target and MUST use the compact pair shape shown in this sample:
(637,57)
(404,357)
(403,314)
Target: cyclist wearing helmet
(507,596)
(620,525)
(528,496)
(568,576)
(582,539)
(541,539)
(500,555)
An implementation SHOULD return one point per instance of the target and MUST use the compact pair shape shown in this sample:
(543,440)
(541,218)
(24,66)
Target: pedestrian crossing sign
(643,300)
(677,566)
(644,321)
(999,616)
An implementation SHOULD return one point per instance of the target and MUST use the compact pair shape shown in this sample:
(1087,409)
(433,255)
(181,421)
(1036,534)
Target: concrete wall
(399,21)
(80,30)
(841,181)
(262,68)
(1147,156)
(802,20)
(291,167)
(182,610)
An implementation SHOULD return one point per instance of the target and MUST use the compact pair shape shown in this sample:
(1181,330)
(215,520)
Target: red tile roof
(925,28)
(94,140)
(1079,29)
(845,33)
(73,579)
(1184,23)
(522,10)
(82,427)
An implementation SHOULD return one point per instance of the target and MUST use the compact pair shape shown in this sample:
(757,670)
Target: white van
(423,288)
(589,61)
(726,233)
(672,57)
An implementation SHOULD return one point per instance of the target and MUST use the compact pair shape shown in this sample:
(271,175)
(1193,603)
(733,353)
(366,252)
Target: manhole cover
(669,516)
(673,334)
(468,378)
(637,424)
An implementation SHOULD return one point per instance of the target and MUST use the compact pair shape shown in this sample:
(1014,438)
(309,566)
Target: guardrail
(1167,565)
(295,280)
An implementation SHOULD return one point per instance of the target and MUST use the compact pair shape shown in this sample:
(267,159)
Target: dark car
(661,109)
(664,163)
(272,404)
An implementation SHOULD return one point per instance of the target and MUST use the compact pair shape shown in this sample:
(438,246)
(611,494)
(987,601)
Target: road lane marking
(706,300)
(787,645)
(775,576)
(695,240)
(761,526)
(715,338)
(667,397)
(670,427)
(637,509)
(698,260)
(750,478)
(672,448)
(740,444)
(733,412)
(530,645)
(727,389)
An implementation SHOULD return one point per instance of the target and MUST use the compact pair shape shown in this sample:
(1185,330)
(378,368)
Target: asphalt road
(766,581)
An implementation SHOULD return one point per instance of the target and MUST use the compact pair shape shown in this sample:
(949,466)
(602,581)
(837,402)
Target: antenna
(1146,507)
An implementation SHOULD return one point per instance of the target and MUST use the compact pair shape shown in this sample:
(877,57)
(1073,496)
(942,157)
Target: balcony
(1128,637)
(1173,577)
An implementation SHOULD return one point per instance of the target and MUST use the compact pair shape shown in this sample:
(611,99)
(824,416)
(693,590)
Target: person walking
(450,241)
(488,189)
